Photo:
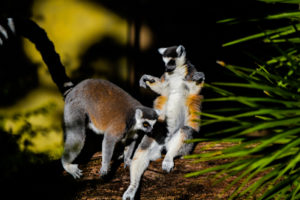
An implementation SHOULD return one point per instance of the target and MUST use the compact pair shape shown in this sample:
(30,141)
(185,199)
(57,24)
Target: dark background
(190,23)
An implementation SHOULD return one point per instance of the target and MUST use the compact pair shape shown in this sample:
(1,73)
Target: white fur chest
(175,80)
(175,107)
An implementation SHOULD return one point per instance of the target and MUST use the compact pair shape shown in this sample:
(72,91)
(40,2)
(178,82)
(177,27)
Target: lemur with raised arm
(180,104)
(93,104)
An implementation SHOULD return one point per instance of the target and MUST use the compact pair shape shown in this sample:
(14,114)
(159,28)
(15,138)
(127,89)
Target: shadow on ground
(49,181)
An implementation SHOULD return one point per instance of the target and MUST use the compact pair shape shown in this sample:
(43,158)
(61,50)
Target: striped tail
(37,35)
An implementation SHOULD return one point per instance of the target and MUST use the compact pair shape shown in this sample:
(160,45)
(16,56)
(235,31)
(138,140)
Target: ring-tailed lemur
(96,104)
(180,104)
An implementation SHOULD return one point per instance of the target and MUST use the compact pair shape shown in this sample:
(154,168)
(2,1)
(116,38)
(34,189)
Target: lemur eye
(146,124)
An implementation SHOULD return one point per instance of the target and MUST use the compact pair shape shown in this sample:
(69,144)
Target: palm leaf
(262,124)
(275,33)
(282,1)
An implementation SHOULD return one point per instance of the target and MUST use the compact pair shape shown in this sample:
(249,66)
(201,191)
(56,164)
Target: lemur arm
(155,84)
(194,100)
(195,83)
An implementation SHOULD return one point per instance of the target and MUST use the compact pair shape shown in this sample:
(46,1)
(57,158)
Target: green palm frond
(258,114)
(275,154)
(270,35)
(282,1)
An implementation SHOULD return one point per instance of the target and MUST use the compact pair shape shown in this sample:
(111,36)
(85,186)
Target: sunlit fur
(193,103)
(180,106)
(159,104)
(111,112)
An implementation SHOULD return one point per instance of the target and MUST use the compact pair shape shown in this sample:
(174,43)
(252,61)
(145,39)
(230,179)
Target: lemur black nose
(171,62)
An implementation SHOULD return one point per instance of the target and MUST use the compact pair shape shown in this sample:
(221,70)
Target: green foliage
(282,1)
(287,33)
(264,126)
(260,116)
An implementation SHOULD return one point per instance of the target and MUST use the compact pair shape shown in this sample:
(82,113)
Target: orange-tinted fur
(193,103)
(160,102)
(107,118)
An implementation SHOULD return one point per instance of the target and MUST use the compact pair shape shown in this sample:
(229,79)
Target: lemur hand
(146,78)
(198,77)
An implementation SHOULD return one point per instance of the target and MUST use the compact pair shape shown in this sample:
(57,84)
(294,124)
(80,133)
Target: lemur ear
(180,50)
(162,50)
(138,113)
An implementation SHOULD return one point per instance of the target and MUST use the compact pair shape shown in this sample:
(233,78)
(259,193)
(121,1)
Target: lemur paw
(198,77)
(129,194)
(74,170)
(103,171)
(167,165)
(127,163)
(144,79)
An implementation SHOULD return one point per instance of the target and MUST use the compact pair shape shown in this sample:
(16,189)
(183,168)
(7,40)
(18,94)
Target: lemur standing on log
(93,103)
(180,104)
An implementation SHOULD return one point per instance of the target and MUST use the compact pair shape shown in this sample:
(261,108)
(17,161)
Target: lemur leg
(148,150)
(176,146)
(187,148)
(108,146)
(128,153)
(160,87)
(75,137)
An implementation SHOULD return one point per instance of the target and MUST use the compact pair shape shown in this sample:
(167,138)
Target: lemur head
(145,118)
(173,57)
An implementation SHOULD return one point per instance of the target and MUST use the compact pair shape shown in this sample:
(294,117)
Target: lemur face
(173,57)
(145,119)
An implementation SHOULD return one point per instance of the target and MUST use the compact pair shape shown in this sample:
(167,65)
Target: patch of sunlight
(36,98)
(74,26)
(50,143)
(47,126)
